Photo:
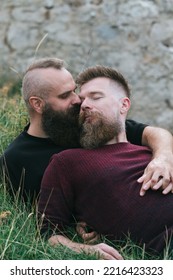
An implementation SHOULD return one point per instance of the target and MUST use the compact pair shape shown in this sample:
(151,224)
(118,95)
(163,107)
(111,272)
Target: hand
(105,252)
(101,250)
(88,237)
(158,175)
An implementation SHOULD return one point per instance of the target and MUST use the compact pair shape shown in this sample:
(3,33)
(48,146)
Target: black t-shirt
(134,131)
(26,158)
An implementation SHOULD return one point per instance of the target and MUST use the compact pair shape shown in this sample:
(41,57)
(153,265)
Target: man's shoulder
(137,151)
(15,143)
(12,150)
(70,153)
(134,124)
(134,131)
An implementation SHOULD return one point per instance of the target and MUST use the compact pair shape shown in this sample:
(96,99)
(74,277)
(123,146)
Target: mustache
(85,114)
(75,109)
(71,113)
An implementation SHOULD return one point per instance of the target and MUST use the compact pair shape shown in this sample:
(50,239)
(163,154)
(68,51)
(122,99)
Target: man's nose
(85,105)
(76,99)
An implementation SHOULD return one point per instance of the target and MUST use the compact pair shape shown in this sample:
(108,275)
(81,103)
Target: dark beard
(98,131)
(62,127)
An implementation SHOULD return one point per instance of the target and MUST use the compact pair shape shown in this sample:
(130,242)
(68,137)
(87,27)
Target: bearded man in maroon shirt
(98,184)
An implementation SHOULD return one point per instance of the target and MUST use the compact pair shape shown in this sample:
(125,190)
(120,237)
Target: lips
(85,117)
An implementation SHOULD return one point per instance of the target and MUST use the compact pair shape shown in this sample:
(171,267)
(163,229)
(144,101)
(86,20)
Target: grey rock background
(135,36)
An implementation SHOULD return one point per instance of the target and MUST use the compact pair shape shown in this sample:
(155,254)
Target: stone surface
(135,36)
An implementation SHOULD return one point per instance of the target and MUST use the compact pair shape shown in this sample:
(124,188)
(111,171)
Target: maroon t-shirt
(100,187)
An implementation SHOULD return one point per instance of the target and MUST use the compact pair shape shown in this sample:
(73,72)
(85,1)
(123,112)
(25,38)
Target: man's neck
(36,130)
(118,139)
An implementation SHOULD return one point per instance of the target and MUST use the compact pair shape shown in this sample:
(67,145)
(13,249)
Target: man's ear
(37,104)
(125,105)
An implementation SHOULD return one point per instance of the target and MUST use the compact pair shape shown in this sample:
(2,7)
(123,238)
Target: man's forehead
(96,85)
(96,82)
(103,85)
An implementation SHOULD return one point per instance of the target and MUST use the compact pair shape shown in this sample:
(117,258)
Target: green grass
(19,233)
(13,117)
(20,238)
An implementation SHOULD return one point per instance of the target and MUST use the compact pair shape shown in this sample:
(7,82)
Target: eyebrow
(69,91)
(95,92)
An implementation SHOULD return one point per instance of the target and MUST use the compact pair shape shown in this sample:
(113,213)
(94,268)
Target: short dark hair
(103,71)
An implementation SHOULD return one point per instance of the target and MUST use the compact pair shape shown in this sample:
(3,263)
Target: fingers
(166,181)
(91,237)
(144,188)
(155,179)
(81,228)
(107,252)
(88,237)
(112,254)
(168,189)
(147,182)
(149,185)
(93,240)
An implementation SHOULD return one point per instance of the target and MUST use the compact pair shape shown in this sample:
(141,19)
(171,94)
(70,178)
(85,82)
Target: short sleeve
(134,131)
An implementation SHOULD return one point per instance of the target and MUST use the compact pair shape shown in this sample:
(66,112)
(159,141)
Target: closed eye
(67,93)
(64,95)
(95,97)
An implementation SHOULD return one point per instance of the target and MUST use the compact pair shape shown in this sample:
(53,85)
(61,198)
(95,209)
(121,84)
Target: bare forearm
(159,140)
(60,239)
(159,172)
(103,251)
